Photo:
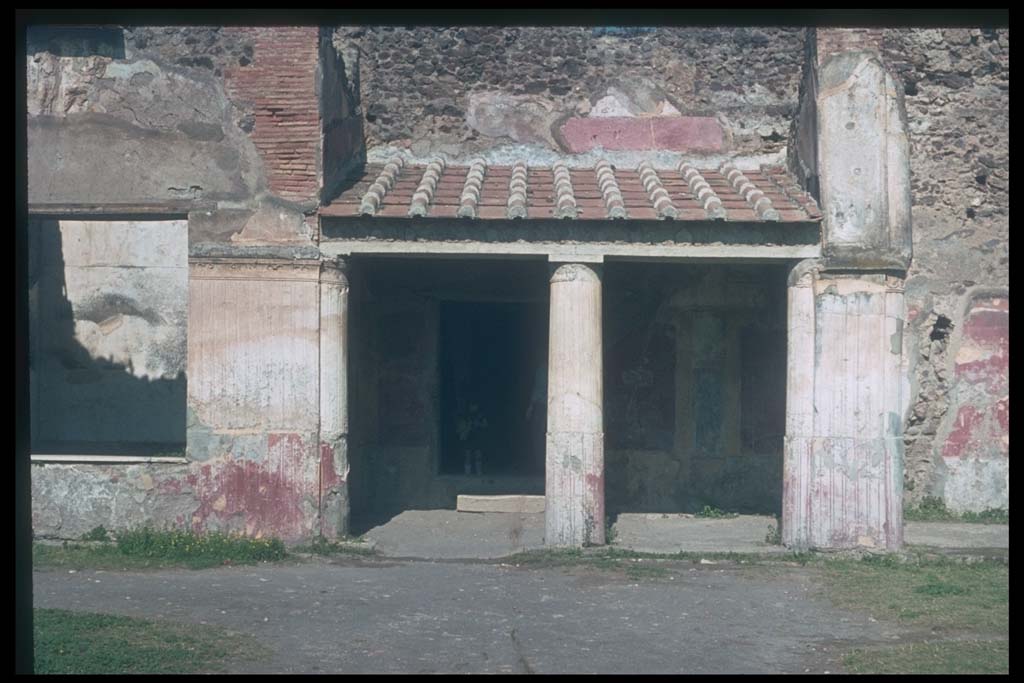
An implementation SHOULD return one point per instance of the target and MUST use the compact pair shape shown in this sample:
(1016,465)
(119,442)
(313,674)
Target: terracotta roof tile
(517,191)
(424,193)
(602,192)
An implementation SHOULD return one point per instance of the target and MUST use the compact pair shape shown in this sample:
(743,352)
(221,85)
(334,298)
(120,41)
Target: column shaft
(574,483)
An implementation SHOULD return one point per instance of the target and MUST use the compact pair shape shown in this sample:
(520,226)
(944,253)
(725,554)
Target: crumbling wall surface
(956,84)
(458,90)
(69,500)
(186,113)
(108,131)
(108,334)
(271,75)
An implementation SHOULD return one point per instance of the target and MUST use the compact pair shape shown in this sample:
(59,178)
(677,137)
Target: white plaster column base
(574,489)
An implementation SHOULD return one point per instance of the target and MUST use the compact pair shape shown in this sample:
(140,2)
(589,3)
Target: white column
(334,466)
(574,481)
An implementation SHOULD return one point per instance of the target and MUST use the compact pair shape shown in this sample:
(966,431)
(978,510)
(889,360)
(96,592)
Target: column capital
(334,271)
(574,271)
(804,272)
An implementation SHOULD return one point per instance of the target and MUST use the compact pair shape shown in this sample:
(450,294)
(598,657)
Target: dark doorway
(493,388)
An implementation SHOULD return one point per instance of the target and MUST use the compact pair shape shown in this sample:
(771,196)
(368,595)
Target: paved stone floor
(429,616)
(957,536)
(447,534)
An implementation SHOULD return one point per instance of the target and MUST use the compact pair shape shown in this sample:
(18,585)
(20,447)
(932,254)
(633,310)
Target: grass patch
(933,509)
(78,557)
(148,548)
(199,550)
(941,596)
(85,643)
(951,657)
(326,547)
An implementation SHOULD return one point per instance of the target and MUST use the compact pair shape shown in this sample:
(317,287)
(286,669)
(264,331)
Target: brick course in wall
(834,41)
(281,83)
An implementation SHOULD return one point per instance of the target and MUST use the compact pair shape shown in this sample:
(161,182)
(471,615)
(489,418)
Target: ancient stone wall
(458,90)
(201,114)
(272,76)
(177,114)
(956,85)
(105,131)
(69,500)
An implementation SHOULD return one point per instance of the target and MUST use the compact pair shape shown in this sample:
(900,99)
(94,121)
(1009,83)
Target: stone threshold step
(532,504)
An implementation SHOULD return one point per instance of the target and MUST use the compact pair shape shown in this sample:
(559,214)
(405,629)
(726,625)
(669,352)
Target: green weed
(96,534)
(198,550)
(710,512)
(933,509)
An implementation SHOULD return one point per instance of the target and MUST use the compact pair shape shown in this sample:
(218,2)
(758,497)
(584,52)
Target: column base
(574,489)
(334,502)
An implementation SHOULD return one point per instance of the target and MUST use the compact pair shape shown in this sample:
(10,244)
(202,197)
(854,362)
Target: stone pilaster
(253,408)
(334,345)
(846,385)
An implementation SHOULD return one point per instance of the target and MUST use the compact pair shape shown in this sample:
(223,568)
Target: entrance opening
(447,382)
(493,388)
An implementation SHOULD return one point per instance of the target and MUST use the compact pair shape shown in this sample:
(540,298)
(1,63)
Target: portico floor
(447,534)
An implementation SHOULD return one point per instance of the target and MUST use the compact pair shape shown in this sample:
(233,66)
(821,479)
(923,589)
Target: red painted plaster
(986,341)
(968,419)
(267,496)
(988,327)
(330,479)
(676,133)
(170,486)
(1003,414)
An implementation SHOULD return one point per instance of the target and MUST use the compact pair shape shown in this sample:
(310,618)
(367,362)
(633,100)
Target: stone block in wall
(69,500)
(253,344)
(833,41)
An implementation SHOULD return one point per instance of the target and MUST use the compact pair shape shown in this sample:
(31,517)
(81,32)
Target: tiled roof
(687,193)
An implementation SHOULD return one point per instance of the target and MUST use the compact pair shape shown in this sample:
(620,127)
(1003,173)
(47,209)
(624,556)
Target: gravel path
(425,616)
